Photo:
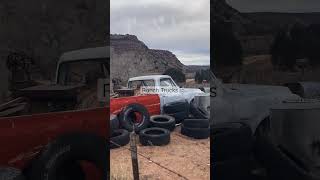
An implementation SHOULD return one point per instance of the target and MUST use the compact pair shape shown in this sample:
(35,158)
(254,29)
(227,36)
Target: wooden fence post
(134,156)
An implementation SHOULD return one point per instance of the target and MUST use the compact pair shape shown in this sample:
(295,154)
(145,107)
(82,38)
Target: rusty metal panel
(305,89)
(295,127)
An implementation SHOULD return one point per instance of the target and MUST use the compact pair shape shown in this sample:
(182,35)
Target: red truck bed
(22,137)
(151,102)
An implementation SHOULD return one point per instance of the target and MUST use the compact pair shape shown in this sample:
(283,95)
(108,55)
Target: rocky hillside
(43,29)
(254,36)
(223,12)
(131,57)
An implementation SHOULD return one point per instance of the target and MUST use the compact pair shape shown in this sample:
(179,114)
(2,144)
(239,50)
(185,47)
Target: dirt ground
(187,156)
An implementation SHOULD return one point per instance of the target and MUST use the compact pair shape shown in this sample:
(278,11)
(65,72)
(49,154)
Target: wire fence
(152,161)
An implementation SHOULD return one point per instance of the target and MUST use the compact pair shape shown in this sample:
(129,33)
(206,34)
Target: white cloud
(178,26)
(276,5)
(194,59)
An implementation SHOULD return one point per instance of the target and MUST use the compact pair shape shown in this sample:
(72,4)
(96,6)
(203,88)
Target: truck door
(168,96)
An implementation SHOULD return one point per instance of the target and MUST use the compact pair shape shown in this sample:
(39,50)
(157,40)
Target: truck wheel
(119,137)
(196,123)
(231,140)
(197,133)
(175,107)
(154,137)
(53,162)
(197,112)
(163,121)
(73,170)
(9,173)
(238,168)
(128,117)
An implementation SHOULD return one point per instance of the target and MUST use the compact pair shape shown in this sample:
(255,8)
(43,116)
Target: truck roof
(88,53)
(148,77)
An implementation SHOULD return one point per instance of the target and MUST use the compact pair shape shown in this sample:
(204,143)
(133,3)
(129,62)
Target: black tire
(127,117)
(196,123)
(73,170)
(53,162)
(179,116)
(231,140)
(197,112)
(197,133)
(119,137)
(163,121)
(232,169)
(9,173)
(114,124)
(175,107)
(154,137)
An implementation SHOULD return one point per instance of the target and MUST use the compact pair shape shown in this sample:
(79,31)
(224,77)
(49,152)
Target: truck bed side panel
(22,137)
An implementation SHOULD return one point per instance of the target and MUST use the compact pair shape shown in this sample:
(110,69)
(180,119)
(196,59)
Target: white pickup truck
(165,82)
(245,103)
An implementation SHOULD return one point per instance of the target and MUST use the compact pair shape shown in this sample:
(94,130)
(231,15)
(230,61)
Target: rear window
(139,83)
(82,72)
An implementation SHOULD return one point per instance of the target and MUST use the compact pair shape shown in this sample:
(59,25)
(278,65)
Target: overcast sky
(276,5)
(180,26)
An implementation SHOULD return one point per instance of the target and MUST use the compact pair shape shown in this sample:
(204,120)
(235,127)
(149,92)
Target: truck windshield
(139,83)
(82,72)
(167,82)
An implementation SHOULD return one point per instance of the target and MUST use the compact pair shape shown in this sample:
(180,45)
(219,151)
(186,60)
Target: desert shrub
(281,51)
(313,44)
(227,50)
(176,74)
(296,42)
(202,75)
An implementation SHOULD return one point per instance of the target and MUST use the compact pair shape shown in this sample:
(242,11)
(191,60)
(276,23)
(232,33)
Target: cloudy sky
(276,5)
(180,26)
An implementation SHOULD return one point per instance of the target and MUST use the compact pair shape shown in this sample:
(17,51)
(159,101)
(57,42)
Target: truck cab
(65,114)
(165,87)
(245,103)
(76,84)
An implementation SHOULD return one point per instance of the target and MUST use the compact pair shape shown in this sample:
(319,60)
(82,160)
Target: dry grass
(119,171)
(184,155)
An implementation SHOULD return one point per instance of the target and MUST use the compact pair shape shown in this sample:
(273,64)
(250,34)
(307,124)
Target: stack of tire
(120,137)
(196,128)
(231,151)
(178,110)
(154,131)
(158,133)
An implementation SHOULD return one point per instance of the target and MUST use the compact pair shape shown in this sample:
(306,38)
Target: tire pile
(155,130)
(232,151)
(196,128)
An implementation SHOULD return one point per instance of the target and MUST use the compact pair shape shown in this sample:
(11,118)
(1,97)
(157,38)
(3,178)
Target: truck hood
(192,90)
(259,90)
(190,93)
(248,103)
